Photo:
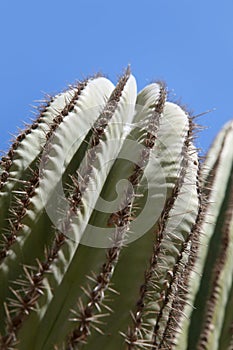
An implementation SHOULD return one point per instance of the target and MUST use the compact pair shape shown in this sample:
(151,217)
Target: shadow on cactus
(114,235)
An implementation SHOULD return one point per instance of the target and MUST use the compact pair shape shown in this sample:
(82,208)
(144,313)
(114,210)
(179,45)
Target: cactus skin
(214,298)
(164,280)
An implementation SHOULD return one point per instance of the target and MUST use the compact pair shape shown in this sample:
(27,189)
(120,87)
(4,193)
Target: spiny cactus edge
(114,234)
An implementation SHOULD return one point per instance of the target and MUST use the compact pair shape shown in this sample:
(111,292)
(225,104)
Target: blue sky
(48,44)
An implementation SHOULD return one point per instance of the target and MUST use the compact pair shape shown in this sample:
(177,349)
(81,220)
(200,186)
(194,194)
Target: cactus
(114,233)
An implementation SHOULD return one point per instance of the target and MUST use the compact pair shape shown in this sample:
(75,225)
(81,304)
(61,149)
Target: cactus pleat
(26,209)
(113,234)
(32,204)
(164,274)
(122,218)
(113,133)
(19,176)
(86,128)
(131,282)
(18,159)
(215,261)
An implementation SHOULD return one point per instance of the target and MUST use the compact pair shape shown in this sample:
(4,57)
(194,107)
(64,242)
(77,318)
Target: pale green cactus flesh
(113,234)
(212,319)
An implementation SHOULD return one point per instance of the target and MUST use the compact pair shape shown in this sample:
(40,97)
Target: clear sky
(47,44)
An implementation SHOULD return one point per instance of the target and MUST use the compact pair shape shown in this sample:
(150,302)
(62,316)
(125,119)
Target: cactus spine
(113,234)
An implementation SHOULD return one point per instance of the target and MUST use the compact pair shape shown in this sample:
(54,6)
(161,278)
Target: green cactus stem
(114,235)
(215,258)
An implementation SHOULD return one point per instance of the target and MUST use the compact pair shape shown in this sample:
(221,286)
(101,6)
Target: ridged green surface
(215,262)
(30,246)
(114,235)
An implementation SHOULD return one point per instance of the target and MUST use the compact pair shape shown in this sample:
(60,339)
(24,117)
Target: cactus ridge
(152,275)
(49,116)
(182,297)
(218,165)
(33,277)
(7,160)
(70,247)
(33,208)
(24,303)
(217,271)
(121,221)
(23,195)
(173,297)
(182,272)
(23,208)
(192,151)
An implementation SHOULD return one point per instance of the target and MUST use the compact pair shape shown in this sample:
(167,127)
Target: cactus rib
(23,199)
(121,220)
(216,169)
(28,301)
(220,286)
(7,160)
(71,246)
(155,273)
(181,305)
